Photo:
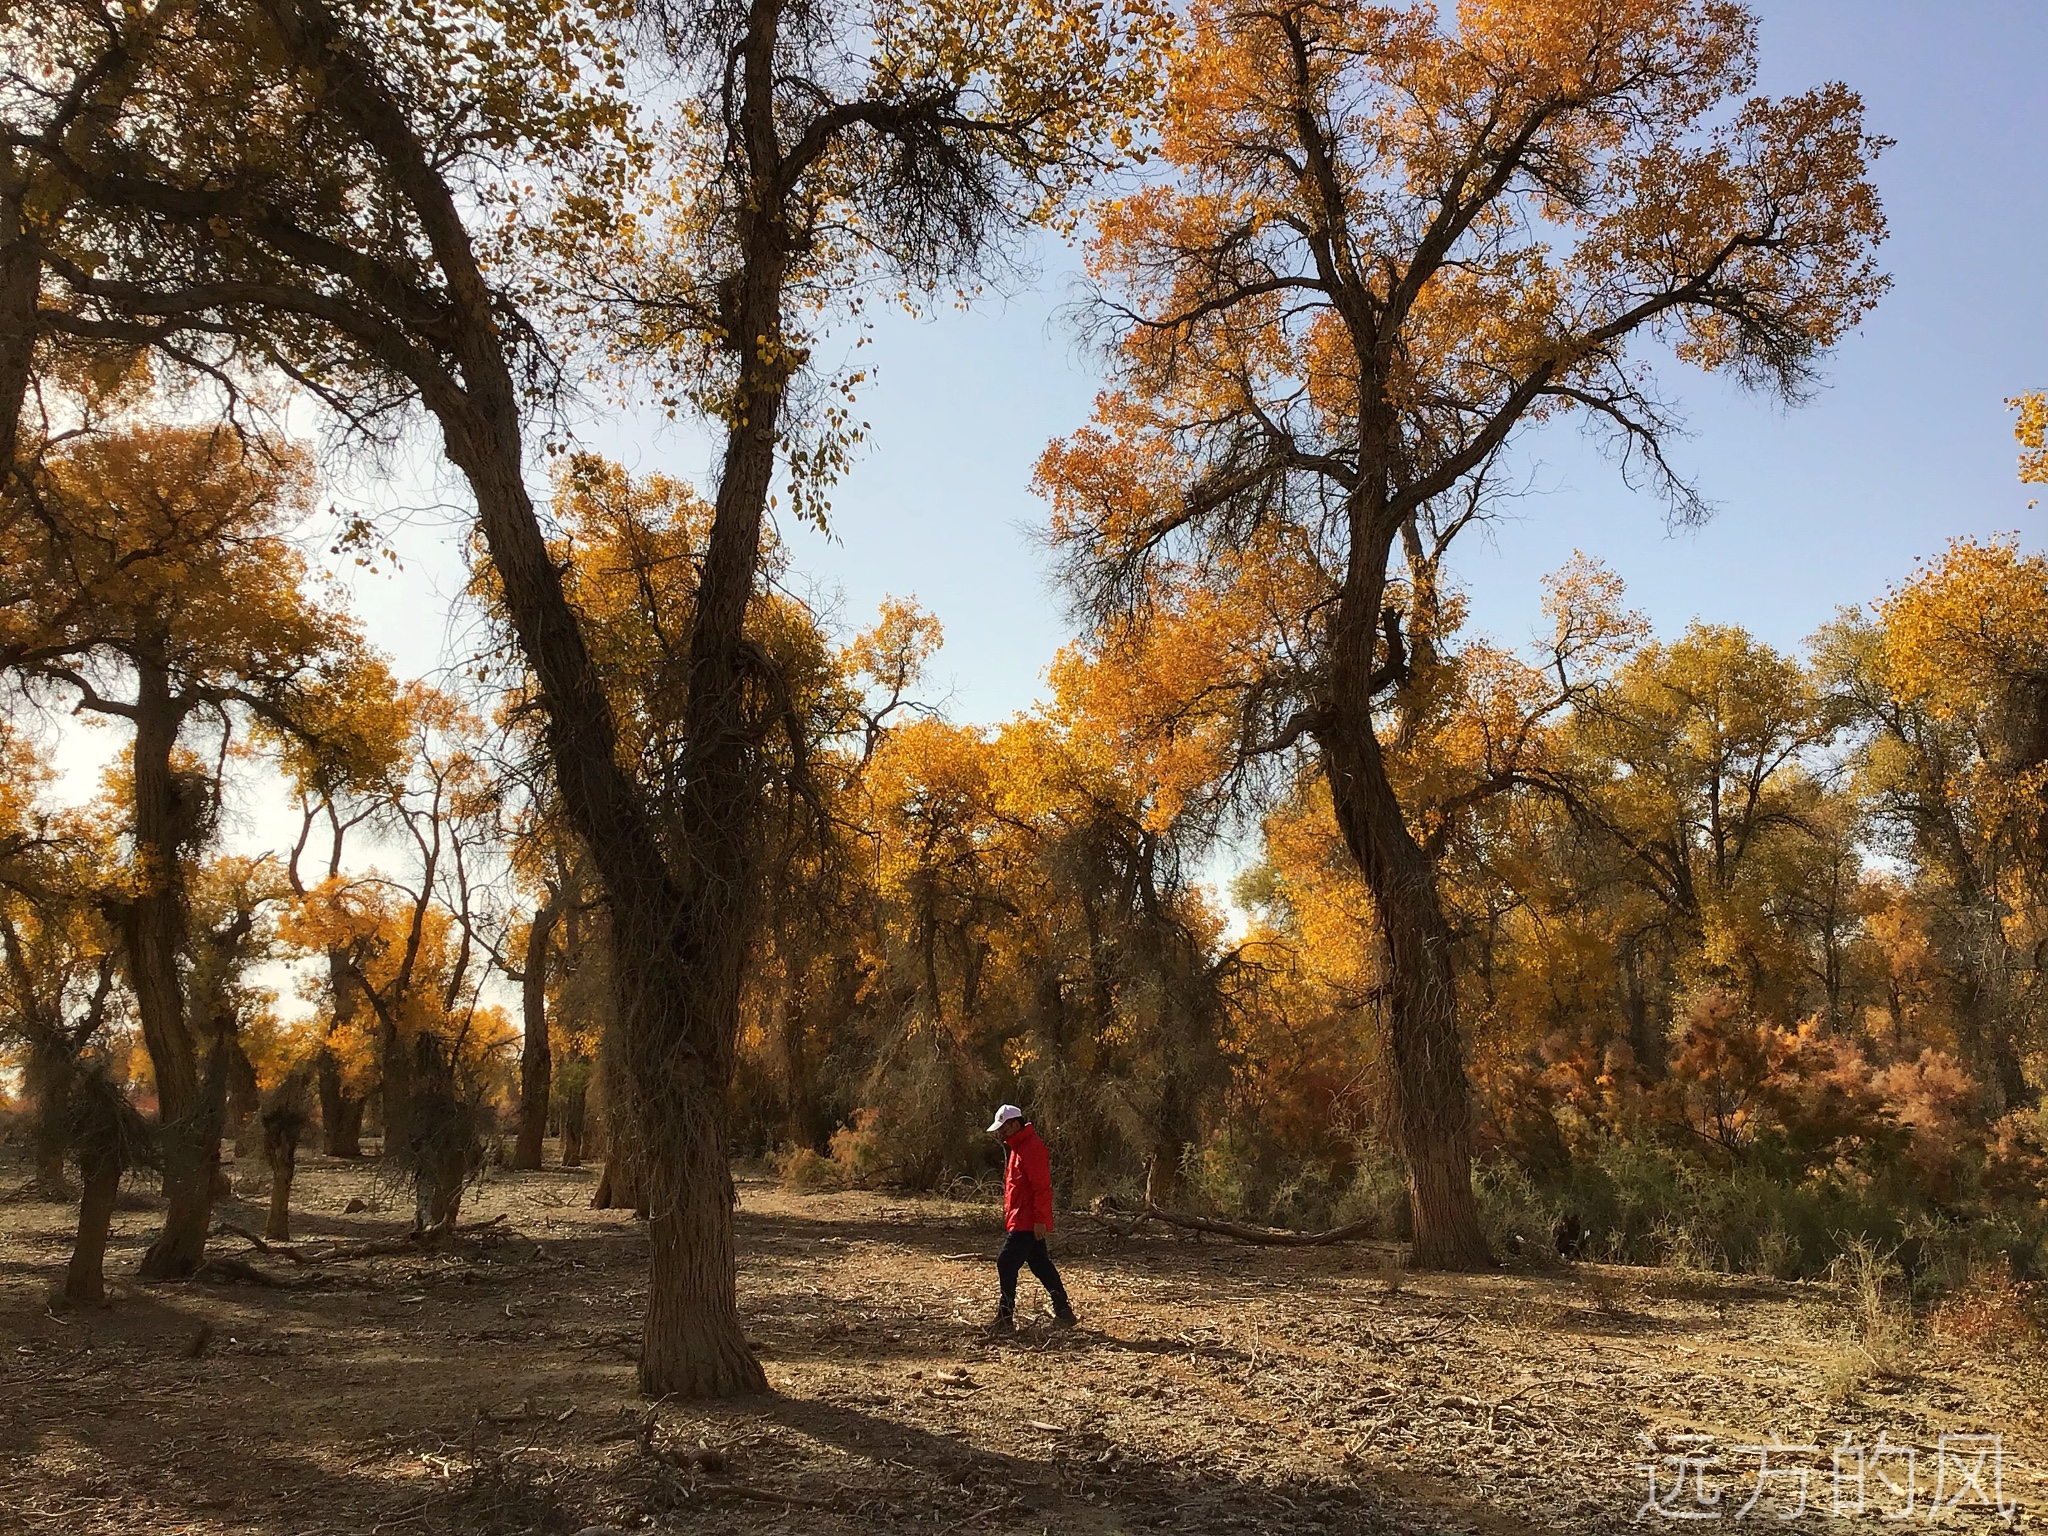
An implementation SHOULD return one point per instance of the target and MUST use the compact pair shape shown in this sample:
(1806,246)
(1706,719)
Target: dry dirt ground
(1213,1387)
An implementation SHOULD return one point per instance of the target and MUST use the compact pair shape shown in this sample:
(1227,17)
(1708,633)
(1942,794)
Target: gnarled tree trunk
(154,927)
(1432,1099)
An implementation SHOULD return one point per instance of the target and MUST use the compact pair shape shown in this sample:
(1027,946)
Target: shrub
(860,1151)
(804,1171)
(1993,1313)
(1518,1220)
(1880,1334)
(1377,1193)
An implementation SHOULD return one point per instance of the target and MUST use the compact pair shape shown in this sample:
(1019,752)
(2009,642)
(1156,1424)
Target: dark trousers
(1020,1249)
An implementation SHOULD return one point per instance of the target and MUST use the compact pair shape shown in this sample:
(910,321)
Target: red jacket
(1027,1183)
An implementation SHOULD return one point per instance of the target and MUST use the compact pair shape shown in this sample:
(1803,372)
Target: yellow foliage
(2031,430)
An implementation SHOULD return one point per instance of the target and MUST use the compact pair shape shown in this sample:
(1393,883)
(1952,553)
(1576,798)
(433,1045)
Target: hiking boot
(1063,1317)
(1001,1326)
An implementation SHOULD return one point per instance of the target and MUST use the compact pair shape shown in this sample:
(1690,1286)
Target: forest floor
(1213,1387)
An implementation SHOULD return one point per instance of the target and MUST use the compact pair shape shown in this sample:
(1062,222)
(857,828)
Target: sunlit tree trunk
(1432,1102)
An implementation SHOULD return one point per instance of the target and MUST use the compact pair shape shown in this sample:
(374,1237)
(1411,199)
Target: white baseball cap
(1005,1115)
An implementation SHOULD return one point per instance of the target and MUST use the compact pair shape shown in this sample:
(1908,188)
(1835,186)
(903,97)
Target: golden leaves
(2030,430)
(1971,624)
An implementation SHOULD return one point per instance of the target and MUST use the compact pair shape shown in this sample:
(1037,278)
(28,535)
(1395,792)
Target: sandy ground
(1212,1388)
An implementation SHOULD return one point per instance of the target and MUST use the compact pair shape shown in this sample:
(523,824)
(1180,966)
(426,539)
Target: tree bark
(154,924)
(85,1277)
(622,1186)
(341,1112)
(693,1343)
(1432,1104)
(47,1078)
(395,1069)
(281,1147)
(21,275)
(535,1063)
(245,1103)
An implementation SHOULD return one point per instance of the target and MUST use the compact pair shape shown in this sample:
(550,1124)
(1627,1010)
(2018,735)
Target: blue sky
(1907,445)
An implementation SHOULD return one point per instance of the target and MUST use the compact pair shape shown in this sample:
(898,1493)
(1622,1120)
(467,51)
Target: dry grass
(1878,1336)
(1212,1388)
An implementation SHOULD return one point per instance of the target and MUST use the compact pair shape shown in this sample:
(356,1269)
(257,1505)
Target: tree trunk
(245,1104)
(21,274)
(47,1078)
(281,1147)
(85,1277)
(191,1176)
(572,1109)
(535,1063)
(154,924)
(1162,1177)
(623,1184)
(395,1069)
(800,1103)
(341,1114)
(693,1343)
(1432,1103)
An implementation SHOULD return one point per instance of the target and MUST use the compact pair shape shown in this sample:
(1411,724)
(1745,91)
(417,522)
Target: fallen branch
(410,1242)
(762,1495)
(263,1245)
(236,1269)
(1108,1208)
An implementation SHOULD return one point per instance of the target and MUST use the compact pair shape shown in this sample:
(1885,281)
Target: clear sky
(1907,445)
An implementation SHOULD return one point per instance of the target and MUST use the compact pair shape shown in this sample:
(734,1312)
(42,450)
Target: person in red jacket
(1027,1218)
